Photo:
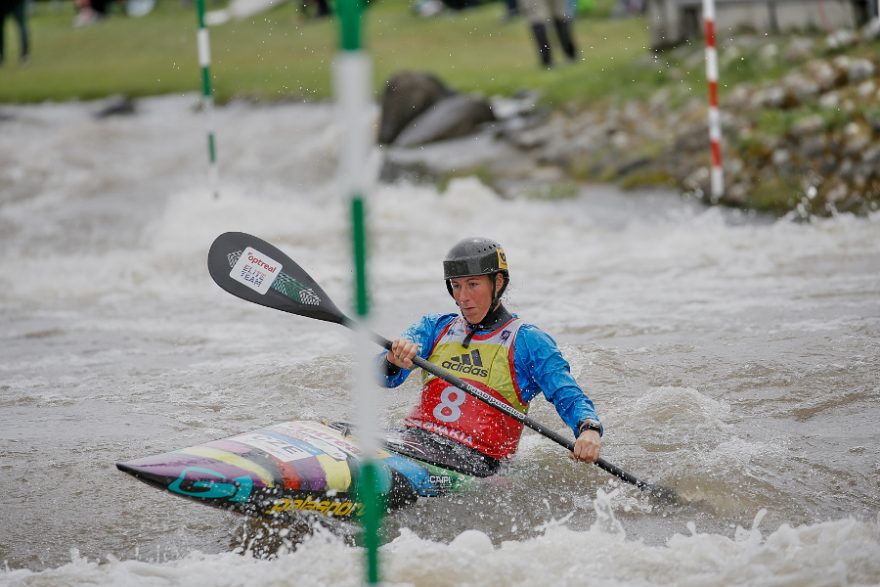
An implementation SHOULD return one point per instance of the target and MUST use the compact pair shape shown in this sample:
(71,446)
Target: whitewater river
(734,359)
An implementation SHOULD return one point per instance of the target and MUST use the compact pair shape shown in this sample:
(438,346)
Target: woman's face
(473,296)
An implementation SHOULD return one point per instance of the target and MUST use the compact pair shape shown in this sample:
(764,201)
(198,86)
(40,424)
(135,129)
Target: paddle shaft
(506,409)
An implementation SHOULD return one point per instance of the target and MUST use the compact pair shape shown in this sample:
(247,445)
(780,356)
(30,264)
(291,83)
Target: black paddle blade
(666,495)
(254,270)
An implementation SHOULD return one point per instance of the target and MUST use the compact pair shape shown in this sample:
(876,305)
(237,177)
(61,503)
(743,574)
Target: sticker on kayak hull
(281,450)
(256,270)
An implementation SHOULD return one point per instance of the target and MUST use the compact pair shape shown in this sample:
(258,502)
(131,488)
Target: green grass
(280,56)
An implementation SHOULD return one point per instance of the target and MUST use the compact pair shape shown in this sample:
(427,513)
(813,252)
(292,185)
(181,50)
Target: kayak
(292,468)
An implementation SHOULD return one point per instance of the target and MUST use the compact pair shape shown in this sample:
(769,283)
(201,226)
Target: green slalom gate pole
(207,95)
(352,73)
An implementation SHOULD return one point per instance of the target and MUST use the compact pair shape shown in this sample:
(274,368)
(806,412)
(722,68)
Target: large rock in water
(407,95)
(456,116)
(117,105)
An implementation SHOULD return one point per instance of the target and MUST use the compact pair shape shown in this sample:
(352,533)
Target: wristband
(390,368)
(589,424)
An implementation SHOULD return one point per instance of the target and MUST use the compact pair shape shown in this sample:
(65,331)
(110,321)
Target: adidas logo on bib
(467,364)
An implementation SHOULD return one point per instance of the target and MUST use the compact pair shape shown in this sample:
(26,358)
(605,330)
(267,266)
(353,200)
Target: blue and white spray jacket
(538,363)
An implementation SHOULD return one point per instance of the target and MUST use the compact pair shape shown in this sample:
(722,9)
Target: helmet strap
(497,293)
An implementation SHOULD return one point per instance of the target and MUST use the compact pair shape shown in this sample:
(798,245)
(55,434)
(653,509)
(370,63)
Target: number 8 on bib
(449,408)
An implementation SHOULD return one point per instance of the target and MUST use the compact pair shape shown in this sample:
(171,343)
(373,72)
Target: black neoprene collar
(492,320)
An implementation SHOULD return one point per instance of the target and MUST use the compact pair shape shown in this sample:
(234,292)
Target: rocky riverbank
(806,143)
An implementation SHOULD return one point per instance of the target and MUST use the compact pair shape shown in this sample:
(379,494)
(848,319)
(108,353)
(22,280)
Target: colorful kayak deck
(289,468)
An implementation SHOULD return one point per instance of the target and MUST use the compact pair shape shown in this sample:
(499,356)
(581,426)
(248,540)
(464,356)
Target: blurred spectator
(540,14)
(315,8)
(461,4)
(512,9)
(89,11)
(18,10)
(629,7)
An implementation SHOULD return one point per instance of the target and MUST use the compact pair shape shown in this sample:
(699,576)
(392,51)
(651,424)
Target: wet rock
(483,153)
(517,107)
(526,136)
(769,53)
(859,70)
(738,194)
(407,95)
(841,39)
(841,64)
(830,101)
(695,58)
(871,31)
(799,89)
(739,97)
(698,180)
(846,170)
(632,113)
(866,89)
(728,56)
(620,140)
(824,75)
(118,105)
(836,193)
(828,165)
(813,147)
(557,148)
(856,139)
(690,140)
(452,117)
(735,165)
(630,166)
(799,49)
(586,142)
(808,126)
(873,120)
(659,101)
(871,157)
(772,97)
(781,157)
(866,173)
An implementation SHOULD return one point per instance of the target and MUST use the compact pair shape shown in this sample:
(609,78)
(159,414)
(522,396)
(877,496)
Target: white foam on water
(666,256)
(666,416)
(842,552)
(656,302)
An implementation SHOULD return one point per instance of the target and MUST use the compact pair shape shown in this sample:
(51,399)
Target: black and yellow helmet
(475,256)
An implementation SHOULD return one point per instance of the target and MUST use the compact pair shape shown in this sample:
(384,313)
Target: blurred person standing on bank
(511,9)
(18,10)
(540,14)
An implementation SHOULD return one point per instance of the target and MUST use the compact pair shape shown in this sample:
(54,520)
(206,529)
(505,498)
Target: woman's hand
(402,353)
(586,447)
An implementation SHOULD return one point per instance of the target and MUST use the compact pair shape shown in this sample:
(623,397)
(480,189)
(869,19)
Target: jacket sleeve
(540,367)
(424,333)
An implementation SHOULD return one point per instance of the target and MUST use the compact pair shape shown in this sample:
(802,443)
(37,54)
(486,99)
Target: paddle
(256,271)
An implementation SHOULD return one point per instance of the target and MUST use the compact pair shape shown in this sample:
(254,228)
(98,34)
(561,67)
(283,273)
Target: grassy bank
(281,55)
(820,136)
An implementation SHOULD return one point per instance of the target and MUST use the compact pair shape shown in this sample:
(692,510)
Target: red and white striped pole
(717,175)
